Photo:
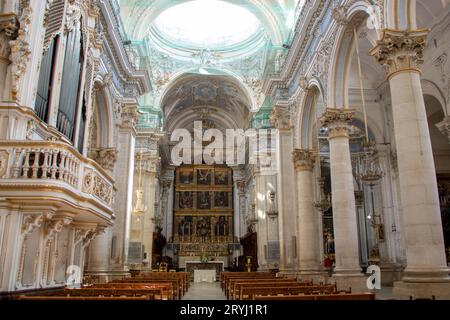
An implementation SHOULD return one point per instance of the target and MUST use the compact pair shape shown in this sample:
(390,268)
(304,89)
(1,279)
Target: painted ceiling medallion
(205,92)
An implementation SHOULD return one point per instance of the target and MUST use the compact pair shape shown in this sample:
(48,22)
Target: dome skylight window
(207,24)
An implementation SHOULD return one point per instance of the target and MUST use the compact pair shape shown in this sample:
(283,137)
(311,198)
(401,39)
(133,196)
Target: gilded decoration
(203,209)
(303,159)
(337,121)
(97,186)
(281,118)
(401,50)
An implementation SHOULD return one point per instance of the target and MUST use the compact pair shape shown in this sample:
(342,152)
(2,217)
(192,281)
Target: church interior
(240,150)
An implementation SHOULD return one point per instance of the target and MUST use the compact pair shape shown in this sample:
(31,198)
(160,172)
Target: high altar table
(191,266)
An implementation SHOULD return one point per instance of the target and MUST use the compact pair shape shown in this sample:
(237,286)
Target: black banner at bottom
(261,310)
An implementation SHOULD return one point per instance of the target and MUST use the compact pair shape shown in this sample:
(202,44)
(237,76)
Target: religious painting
(221,199)
(186,200)
(221,178)
(186,177)
(204,176)
(203,200)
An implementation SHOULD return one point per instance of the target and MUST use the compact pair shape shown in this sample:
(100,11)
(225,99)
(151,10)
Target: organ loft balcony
(52,175)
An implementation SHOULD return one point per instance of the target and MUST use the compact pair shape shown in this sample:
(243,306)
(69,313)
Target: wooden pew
(224,276)
(157,293)
(79,298)
(228,284)
(239,286)
(250,293)
(231,282)
(339,296)
(176,288)
(166,286)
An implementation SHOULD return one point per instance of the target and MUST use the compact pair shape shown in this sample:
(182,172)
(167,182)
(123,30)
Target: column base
(356,282)
(390,272)
(426,275)
(421,290)
(316,276)
(107,275)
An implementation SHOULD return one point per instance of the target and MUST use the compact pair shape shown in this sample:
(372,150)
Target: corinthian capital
(281,118)
(303,159)
(130,115)
(337,121)
(400,50)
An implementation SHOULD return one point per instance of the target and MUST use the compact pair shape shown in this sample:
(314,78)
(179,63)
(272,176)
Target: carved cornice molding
(400,50)
(303,159)
(337,121)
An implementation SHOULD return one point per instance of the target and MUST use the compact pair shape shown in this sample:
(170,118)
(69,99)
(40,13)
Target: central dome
(210,24)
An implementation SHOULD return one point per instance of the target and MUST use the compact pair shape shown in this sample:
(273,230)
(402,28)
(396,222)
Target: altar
(217,266)
(205,275)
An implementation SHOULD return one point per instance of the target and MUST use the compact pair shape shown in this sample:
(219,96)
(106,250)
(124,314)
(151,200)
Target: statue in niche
(222,226)
(185,227)
(329,242)
(221,199)
(204,200)
(159,242)
(203,176)
(186,200)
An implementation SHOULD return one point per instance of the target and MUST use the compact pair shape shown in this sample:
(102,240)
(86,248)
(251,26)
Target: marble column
(348,270)
(308,228)
(264,180)
(242,207)
(402,52)
(165,217)
(123,177)
(151,164)
(286,189)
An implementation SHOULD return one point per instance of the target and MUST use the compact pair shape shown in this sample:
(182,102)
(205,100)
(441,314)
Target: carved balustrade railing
(51,163)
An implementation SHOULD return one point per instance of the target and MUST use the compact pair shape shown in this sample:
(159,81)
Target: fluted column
(402,52)
(308,229)
(343,198)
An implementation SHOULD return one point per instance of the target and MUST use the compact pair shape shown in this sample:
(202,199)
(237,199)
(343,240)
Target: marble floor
(205,291)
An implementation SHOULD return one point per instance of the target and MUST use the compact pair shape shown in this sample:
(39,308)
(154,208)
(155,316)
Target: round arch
(342,53)
(313,103)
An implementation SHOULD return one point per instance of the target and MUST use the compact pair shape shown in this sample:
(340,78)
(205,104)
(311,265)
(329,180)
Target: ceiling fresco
(210,38)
